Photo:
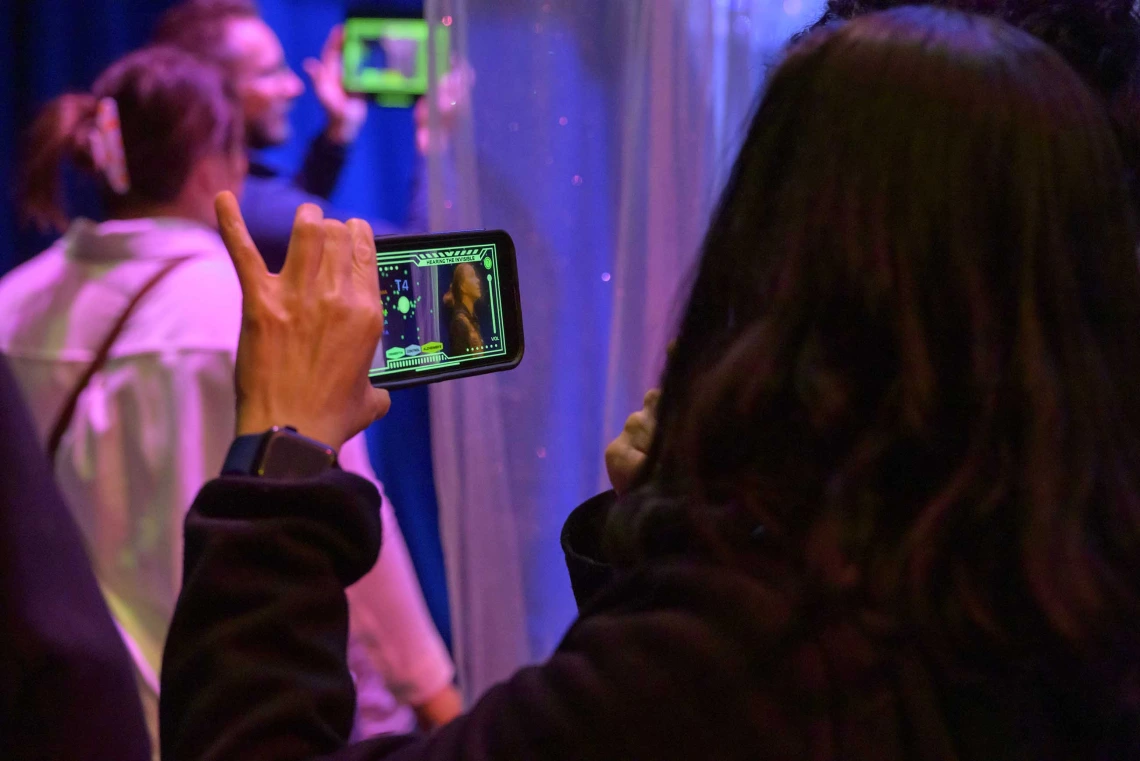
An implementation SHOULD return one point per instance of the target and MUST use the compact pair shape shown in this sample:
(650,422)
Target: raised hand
(309,334)
(346,112)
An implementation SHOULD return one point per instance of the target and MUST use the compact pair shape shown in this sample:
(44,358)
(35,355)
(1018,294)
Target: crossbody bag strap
(68,411)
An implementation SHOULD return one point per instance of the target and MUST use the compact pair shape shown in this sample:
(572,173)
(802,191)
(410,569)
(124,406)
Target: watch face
(288,455)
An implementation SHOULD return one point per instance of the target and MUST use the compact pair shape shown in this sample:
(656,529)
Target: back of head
(232,35)
(173,110)
(199,26)
(911,351)
(1100,39)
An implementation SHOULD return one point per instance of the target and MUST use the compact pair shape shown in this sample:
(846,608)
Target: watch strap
(278,453)
(242,459)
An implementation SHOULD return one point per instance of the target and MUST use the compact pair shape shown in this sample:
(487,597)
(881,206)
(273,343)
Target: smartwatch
(279,453)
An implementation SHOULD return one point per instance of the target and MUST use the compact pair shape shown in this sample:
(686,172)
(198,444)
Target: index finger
(247,261)
(334,45)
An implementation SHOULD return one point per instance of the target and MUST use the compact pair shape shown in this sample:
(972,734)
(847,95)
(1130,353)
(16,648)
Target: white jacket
(155,424)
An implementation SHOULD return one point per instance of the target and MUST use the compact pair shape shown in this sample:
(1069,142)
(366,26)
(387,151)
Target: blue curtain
(52,46)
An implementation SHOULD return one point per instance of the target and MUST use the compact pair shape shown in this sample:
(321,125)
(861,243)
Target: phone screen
(451,307)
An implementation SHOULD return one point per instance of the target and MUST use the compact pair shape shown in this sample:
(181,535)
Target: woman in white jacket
(123,337)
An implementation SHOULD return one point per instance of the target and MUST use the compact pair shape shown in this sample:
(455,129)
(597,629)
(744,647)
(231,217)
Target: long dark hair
(911,350)
(174,110)
(1100,39)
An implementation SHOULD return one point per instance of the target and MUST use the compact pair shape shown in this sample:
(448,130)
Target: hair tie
(107,146)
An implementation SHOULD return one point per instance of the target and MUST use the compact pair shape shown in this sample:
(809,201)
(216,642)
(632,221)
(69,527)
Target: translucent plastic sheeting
(599,135)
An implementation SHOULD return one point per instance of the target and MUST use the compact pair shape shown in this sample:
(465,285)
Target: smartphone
(386,51)
(451,307)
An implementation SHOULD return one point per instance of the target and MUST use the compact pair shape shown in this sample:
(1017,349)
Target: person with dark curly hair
(1100,39)
(891,509)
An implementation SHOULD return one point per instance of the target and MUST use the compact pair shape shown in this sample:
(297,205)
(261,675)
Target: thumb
(247,261)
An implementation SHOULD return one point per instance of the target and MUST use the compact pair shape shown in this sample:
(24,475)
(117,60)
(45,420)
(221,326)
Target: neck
(469,303)
(203,214)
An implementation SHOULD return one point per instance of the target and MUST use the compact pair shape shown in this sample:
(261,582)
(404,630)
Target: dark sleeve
(660,668)
(581,539)
(254,665)
(67,689)
(269,205)
(321,168)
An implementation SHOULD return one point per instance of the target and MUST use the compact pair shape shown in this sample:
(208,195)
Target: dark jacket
(67,690)
(270,200)
(681,659)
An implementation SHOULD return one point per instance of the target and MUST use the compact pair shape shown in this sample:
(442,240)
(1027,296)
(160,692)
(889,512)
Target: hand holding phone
(451,307)
(301,362)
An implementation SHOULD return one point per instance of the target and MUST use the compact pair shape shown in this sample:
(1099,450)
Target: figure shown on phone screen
(466,290)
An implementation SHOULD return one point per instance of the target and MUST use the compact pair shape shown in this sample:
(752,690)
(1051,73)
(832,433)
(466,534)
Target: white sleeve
(387,612)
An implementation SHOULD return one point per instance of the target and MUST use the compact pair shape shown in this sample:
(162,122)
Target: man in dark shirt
(682,656)
(232,34)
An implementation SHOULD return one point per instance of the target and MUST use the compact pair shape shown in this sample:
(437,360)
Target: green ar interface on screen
(442,308)
(389,56)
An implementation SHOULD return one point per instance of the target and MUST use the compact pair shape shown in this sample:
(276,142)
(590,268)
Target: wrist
(342,131)
(257,424)
(278,454)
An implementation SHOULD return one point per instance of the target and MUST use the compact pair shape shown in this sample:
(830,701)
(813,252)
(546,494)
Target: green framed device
(388,57)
